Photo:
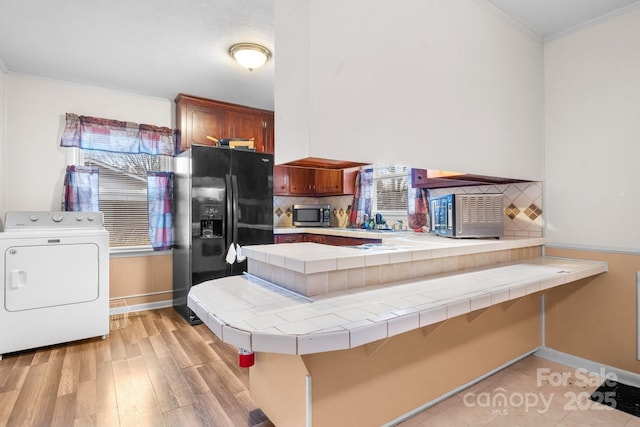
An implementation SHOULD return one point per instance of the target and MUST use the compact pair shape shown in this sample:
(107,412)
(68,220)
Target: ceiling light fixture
(250,55)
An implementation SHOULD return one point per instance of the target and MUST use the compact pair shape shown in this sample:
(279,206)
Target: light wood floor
(156,371)
(159,371)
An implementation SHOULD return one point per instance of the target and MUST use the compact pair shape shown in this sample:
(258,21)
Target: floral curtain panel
(417,207)
(160,201)
(81,189)
(361,198)
(93,133)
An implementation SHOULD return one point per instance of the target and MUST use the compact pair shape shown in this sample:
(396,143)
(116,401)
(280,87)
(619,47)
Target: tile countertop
(250,313)
(349,232)
(384,235)
(395,247)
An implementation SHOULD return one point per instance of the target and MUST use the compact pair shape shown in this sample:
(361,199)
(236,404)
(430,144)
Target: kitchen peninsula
(363,335)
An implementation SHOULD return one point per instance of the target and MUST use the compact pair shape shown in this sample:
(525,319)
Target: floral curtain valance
(93,133)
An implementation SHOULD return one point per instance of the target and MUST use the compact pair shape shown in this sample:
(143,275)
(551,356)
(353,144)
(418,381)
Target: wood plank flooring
(156,371)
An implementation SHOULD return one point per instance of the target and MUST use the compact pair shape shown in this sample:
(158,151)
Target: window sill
(135,251)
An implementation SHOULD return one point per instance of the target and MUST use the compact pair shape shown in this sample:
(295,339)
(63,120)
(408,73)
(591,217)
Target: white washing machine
(55,267)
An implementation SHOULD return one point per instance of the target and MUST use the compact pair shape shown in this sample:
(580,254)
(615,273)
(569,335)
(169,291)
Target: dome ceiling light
(250,55)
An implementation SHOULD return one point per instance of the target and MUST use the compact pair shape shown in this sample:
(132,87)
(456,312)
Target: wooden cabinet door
(323,239)
(197,120)
(300,181)
(328,181)
(315,238)
(280,180)
(269,134)
(247,125)
(348,241)
(289,238)
(349,180)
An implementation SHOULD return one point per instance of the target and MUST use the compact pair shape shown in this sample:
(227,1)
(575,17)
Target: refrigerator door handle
(229,239)
(234,180)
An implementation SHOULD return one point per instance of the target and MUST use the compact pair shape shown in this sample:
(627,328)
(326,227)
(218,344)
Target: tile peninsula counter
(363,335)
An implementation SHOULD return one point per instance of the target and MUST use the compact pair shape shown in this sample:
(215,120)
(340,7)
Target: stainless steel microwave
(467,215)
(311,215)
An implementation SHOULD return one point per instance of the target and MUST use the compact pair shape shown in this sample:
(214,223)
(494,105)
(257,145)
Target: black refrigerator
(222,197)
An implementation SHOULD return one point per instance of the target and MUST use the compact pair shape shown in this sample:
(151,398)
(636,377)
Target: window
(123,193)
(390,191)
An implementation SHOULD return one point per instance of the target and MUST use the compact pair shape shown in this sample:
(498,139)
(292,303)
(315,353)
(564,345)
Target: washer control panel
(45,220)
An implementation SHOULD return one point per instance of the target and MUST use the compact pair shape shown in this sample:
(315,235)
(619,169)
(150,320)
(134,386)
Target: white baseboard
(140,307)
(456,390)
(621,375)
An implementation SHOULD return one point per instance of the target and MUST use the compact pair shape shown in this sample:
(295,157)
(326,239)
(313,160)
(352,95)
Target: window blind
(390,189)
(123,193)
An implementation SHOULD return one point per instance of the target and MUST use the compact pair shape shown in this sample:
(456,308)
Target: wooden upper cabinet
(349,180)
(198,118)
(269,134)
(280,180)
(327,181)
(301,181)
(247,125)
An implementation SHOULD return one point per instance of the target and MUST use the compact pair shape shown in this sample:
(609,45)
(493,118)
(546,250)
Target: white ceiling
(164,47)
(552,18)
(152,47)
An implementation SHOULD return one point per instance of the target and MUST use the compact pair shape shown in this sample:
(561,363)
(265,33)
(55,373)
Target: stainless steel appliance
(222,197)
(311,215)
(467,215)
(55,272)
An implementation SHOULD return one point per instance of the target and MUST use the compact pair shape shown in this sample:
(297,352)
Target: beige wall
(596,320)
(376,383)
(374,82)
(141,275)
